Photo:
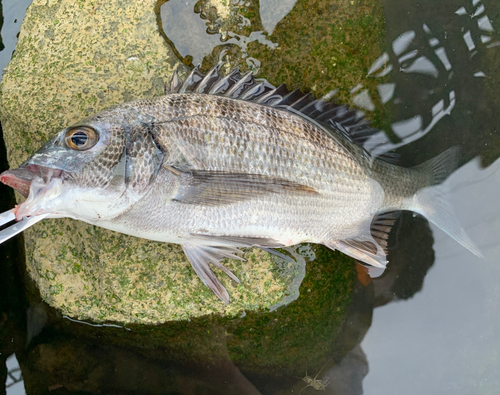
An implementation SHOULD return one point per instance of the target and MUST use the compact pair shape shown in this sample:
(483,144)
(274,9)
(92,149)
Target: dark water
(429,324)
(13,302)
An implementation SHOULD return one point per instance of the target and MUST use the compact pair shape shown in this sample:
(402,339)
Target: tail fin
(432,201)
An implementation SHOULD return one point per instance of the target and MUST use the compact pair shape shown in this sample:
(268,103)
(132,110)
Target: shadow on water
(412,91)
(13,302)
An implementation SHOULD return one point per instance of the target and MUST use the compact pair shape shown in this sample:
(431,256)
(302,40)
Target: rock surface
(76,58)
(73,59)
(211,354)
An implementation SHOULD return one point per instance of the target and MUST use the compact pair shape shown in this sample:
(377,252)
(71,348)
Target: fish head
(91,171)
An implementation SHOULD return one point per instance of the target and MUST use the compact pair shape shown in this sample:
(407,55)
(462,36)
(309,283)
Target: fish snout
(20,179)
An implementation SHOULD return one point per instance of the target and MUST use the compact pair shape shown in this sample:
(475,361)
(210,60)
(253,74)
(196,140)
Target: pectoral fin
(200,258)
(220,188)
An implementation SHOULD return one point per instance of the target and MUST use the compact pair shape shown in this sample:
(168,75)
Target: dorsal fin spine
(216,90)
(251,91)
(214,72)
(175,82)
(192,81)
(231,92)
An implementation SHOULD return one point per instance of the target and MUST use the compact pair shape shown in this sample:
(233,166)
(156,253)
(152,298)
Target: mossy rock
(282,341)
(61,72)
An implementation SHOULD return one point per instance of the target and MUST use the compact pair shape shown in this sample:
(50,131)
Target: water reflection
(220,25)
(14,381)
(273,11)
(423,51)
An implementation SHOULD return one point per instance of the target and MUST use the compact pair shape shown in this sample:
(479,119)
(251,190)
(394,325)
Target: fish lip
(20,179)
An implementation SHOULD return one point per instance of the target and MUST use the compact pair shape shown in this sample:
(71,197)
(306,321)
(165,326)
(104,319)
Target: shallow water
(429,323)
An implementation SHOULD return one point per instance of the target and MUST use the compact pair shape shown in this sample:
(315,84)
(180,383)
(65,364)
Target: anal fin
(381,226)
(200,258)
(369,249)
(370,271)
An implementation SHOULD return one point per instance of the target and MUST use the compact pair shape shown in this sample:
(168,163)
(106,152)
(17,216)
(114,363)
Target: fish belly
(287,219)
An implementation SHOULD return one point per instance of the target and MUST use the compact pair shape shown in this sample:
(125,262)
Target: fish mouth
(21,178)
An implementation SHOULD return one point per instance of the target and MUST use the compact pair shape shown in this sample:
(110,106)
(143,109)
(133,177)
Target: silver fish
(222,163)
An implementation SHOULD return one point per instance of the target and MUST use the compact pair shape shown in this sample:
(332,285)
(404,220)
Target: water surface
(429,323)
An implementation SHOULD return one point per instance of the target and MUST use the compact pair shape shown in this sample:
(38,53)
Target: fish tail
(432,201)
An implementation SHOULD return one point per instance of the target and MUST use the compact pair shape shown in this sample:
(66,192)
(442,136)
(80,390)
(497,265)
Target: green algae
(301,331)
(264,343)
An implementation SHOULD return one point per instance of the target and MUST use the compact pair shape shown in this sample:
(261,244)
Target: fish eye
(81,138)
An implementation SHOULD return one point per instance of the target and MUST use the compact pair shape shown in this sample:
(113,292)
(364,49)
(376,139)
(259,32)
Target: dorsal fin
(290,99)
(175,84)
(258,91)
(242,85)
(224,84)
(273,96)
(330,116)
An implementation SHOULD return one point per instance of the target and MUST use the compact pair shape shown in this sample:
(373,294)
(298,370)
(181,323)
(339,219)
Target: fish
(222,163)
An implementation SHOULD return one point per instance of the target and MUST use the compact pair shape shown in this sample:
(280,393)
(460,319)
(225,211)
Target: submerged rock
(217,354)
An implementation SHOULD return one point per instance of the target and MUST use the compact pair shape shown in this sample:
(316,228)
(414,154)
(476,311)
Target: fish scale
(242,134)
